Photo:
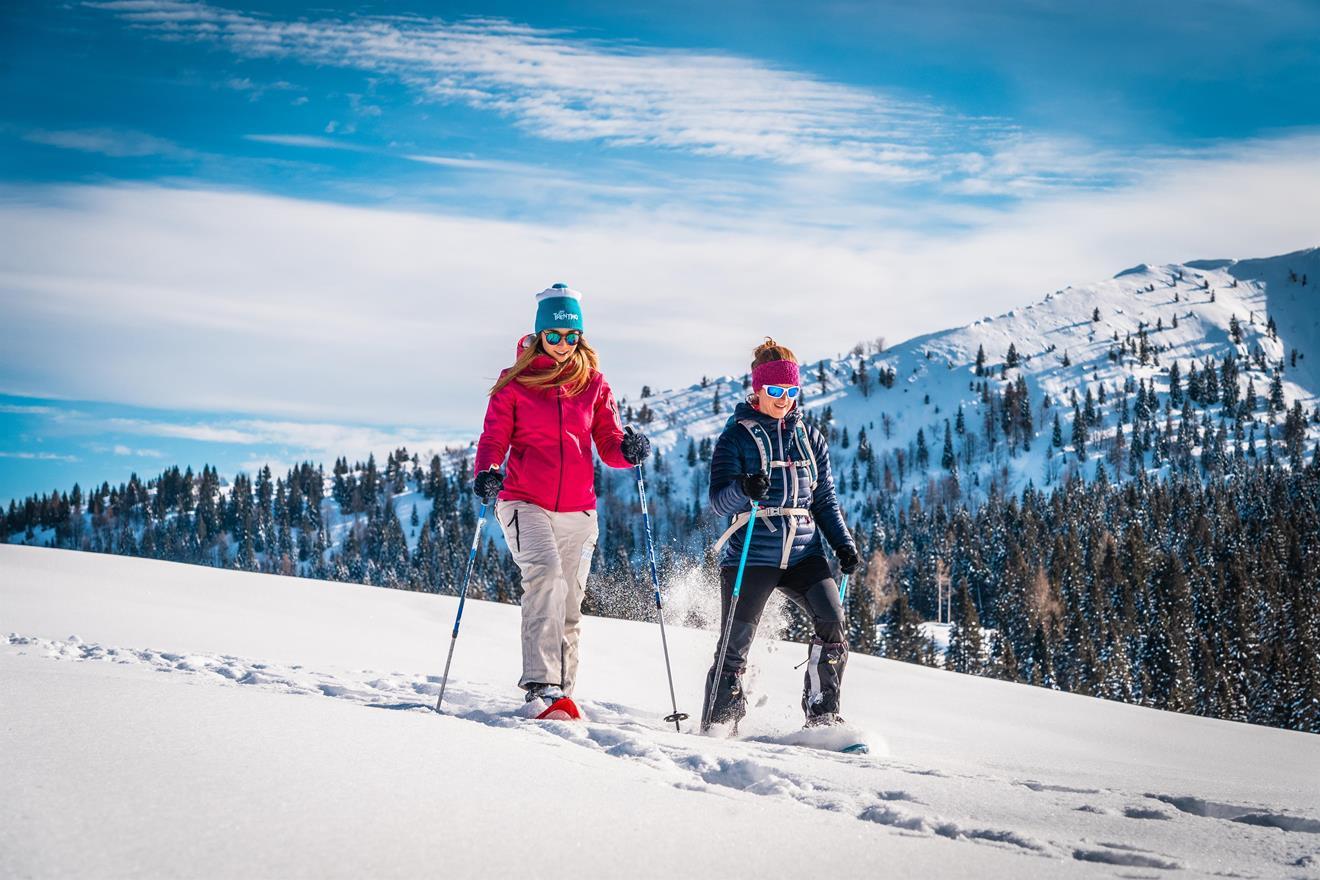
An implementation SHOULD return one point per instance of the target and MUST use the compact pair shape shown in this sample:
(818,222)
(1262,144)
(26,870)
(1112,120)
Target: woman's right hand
(488,484)
(755,486)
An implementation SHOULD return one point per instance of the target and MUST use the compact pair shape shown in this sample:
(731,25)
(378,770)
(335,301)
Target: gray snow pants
(553,552)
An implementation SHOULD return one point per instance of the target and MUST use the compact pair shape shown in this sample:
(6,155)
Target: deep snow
(168,720)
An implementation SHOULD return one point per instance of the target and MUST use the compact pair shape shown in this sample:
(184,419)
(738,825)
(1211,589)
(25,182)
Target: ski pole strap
(741,519)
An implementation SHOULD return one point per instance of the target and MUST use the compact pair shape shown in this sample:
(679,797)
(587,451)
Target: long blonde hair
(574,374)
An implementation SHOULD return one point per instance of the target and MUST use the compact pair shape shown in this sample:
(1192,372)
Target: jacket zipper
(559,399)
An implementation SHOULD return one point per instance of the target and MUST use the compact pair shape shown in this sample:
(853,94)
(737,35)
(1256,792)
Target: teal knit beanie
(558,306)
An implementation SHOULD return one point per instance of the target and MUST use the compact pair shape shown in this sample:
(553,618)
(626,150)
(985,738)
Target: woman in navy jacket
(768,454)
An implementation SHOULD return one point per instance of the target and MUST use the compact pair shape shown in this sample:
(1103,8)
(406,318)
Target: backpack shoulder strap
(807,450)
(761,444)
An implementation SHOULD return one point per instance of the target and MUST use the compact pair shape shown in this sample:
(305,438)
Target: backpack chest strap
(740,519)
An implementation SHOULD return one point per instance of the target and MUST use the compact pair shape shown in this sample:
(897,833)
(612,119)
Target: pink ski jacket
(547,436)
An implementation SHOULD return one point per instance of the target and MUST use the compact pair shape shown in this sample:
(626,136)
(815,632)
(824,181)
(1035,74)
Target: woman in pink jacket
(544,414)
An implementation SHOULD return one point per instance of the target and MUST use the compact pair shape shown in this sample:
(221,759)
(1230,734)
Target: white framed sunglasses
(778,391)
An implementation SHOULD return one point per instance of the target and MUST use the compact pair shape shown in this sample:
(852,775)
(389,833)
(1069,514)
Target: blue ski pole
(659,608)
(462,598)
(843,591)
(728,625)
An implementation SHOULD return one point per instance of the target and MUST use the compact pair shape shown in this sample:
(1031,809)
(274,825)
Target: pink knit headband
(774,373)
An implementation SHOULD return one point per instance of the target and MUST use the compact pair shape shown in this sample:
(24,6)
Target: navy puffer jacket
(779,541)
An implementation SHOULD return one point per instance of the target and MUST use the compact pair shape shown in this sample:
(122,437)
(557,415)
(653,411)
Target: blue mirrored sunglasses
(572,337)
(778,391)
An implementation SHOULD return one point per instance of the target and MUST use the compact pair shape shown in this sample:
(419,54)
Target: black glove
(488,484)
(755,486)
(635,447)
(848,558)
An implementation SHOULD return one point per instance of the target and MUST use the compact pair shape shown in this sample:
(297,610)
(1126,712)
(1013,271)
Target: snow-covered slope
(171,720)
(1185,311)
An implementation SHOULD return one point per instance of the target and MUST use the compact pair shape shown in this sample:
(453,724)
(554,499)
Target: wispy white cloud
(25,410)
(258,89)
(116,143)
(312,142)
(179,431)
(39,456)
(462,163)
(122,450)
(466,164)
(318,438)
(561,86)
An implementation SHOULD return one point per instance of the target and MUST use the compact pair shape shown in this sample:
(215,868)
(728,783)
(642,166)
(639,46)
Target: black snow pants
(811,586)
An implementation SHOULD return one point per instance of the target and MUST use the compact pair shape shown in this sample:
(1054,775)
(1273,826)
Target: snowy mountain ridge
(1117,335)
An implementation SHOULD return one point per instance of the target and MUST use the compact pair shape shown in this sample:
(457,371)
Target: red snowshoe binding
(562,709)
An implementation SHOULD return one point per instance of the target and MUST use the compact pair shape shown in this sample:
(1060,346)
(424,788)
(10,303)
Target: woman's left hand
(635,447)
(848,559)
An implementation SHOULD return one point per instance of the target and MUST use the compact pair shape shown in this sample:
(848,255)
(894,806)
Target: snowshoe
(562,709)
(819,738)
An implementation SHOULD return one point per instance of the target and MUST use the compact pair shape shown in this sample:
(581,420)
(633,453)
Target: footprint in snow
(1244,815)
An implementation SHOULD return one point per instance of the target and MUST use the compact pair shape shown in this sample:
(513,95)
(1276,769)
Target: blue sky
(332,220)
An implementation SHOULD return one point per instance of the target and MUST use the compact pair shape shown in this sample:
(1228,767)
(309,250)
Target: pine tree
(1210,383)
(1079,434)
(903,637)
(861,616)
(1277,402)
(1169,657)
(1042,660)
(1003,659)
(964,654)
